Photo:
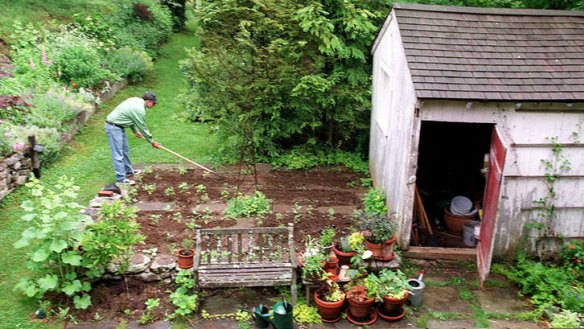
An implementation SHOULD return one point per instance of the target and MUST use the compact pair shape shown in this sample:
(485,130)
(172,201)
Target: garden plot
(173,202)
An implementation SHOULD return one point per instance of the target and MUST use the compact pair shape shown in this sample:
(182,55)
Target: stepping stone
(499,300)
(154,206)
(214,207)
(511,324)
(343,210)
(449,324)
(445,299)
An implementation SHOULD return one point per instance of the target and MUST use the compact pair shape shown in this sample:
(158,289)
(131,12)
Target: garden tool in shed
(187,160)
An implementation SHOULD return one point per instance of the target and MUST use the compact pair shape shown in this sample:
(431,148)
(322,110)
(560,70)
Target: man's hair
(150,96)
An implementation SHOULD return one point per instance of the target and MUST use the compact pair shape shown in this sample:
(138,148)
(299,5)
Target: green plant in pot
(313,267)
(329,298)
(327,237)
(379,232)
(393,290)
(348,246)
(361,297)
(186,253)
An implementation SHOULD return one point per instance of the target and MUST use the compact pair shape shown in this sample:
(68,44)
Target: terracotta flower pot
(329,311)
(455,223)
(392,316)
(185,258)
(390,305)
(343,257)
(360,309)
(382,251)
(332,266)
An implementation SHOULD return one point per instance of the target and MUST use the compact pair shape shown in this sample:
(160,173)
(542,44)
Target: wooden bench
(245,257)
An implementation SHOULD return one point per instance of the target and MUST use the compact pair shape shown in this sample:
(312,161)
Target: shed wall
(392,122)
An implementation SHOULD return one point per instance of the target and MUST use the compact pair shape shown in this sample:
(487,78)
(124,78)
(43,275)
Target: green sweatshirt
(131,113)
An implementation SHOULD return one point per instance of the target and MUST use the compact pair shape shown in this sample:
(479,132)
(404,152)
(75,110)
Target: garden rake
(187,159)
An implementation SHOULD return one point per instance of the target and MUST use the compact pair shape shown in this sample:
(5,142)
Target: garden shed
(487,104)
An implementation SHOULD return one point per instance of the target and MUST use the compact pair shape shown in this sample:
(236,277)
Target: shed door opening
(451,156)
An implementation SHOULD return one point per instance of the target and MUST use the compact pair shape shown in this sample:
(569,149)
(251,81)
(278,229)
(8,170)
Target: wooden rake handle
(186,159)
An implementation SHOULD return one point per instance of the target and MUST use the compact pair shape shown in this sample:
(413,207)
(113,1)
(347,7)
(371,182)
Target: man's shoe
(135,172)
(126,181)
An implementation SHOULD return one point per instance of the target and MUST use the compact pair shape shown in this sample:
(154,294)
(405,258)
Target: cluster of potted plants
(388,288)
(361,290)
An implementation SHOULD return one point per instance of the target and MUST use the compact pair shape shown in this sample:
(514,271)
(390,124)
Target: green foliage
(48,137)
(111,239)
(130,63)
(567,319)
(545,284)
(182,298)
(393,284)
(313,269)
(377,228)
(284,73)
(304,314)
(142,25)
(308,156)
(151,304)
(55,107)
(52,241)
(374,202)
(248,205)
(78,61)
(327,236)
(573,256)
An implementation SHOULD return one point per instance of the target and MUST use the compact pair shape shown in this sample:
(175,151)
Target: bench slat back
(244,245)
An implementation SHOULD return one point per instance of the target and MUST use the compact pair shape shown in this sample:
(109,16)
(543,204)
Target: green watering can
(282,316)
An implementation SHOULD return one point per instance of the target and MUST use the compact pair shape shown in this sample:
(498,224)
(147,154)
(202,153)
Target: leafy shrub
(306,157)
(544,283)
(48,137)
(248,205)
(130,63)
(111,239)
(55,107)
(573,257)
(97,27)
(31,72)
(566,319)
(145,30)
(77,59)
(52,239)
(374,202)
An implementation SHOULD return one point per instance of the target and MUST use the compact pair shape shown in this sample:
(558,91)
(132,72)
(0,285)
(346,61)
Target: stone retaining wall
(15,168)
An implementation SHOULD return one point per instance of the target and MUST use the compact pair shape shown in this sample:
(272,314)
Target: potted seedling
(329,298)
(348,247)
(393,290)
(326,239)
(361,297)
(185,254)
(313,267)
(379,233)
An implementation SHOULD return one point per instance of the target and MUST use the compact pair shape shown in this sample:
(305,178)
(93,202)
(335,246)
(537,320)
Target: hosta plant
(52,239)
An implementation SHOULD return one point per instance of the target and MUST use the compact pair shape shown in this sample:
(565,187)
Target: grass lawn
(87,159)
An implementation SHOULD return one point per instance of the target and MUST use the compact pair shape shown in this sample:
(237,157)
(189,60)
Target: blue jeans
(118,142)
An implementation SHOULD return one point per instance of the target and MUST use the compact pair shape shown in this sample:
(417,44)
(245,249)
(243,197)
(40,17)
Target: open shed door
(497,157)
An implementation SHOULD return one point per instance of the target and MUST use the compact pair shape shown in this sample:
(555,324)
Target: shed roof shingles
(493,54)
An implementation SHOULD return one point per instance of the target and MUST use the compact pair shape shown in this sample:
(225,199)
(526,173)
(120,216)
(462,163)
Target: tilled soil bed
(173,201)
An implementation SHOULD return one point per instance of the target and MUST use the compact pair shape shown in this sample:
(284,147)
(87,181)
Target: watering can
(280,318)
(417,291)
